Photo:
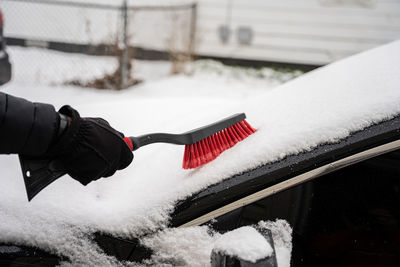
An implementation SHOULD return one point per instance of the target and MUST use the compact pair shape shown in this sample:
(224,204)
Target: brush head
(209,148)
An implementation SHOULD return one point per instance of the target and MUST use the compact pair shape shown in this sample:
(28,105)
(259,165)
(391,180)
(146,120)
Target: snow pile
(282,236)
(245,243)
(9,249)
(323,106)
(192,246)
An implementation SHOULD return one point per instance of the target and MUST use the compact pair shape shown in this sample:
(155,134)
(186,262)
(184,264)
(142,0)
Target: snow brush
(202,145)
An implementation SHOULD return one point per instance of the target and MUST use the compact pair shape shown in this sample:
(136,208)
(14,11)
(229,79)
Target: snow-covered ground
(323,106)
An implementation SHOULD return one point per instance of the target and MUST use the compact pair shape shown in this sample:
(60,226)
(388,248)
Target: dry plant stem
(110,80)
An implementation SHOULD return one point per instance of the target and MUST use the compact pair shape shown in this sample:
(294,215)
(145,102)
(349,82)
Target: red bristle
(186,158)
(197,154)
(219,141)
(210,143)
(193,157)
(211,147)
(190,158)
(244,128)
(229,137)
(219,144)
(225,140)
(232,136)
(206,150)
(240,131)
(236,137)
(210,154)
(193,160)
(203,152)
(249,126)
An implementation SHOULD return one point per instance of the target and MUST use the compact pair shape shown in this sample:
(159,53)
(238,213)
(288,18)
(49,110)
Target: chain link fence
(93,43)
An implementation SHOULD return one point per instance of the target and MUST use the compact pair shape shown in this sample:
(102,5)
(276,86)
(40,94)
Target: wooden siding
(306,32)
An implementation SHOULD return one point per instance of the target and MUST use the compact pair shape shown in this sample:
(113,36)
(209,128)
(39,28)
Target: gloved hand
(90,148)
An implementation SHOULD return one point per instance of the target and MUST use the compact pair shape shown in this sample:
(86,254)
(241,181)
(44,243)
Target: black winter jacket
(26,128)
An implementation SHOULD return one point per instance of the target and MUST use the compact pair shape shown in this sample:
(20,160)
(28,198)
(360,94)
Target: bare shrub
(111,80)
(179,45)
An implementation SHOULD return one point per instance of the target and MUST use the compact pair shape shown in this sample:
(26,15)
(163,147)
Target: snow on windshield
(322,106)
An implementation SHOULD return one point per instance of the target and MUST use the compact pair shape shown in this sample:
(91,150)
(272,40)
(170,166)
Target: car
(327,162)
(5,65)
(341,199)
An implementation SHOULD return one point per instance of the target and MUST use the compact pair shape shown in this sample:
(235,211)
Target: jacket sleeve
(25,127)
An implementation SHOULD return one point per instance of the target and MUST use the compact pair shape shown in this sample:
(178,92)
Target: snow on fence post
(192,33)
(124,48)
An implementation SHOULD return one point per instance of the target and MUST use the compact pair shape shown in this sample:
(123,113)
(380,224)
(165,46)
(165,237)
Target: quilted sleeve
(25,127)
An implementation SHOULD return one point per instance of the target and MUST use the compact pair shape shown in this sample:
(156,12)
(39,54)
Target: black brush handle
(186,138)
(147,139)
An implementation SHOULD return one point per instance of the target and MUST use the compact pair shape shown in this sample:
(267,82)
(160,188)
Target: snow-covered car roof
(323,106)
(274,177)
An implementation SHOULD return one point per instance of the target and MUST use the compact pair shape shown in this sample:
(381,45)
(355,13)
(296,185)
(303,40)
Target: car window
(350,215)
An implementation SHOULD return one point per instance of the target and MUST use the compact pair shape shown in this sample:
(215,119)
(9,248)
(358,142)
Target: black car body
(5,65)
(342,200)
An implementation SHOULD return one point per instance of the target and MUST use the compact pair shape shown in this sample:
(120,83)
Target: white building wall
(306,32)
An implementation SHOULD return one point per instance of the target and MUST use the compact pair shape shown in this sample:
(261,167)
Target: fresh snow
(322,106)
(192,246)
(9,249)
(244,243)
(189,246)
(282,236)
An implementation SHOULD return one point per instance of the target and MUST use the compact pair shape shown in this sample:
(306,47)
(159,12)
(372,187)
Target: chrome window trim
(307,176)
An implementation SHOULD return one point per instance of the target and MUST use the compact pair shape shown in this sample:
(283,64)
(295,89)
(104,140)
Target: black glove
(90,148)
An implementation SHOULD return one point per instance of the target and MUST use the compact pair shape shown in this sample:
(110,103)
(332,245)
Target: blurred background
(120,43)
